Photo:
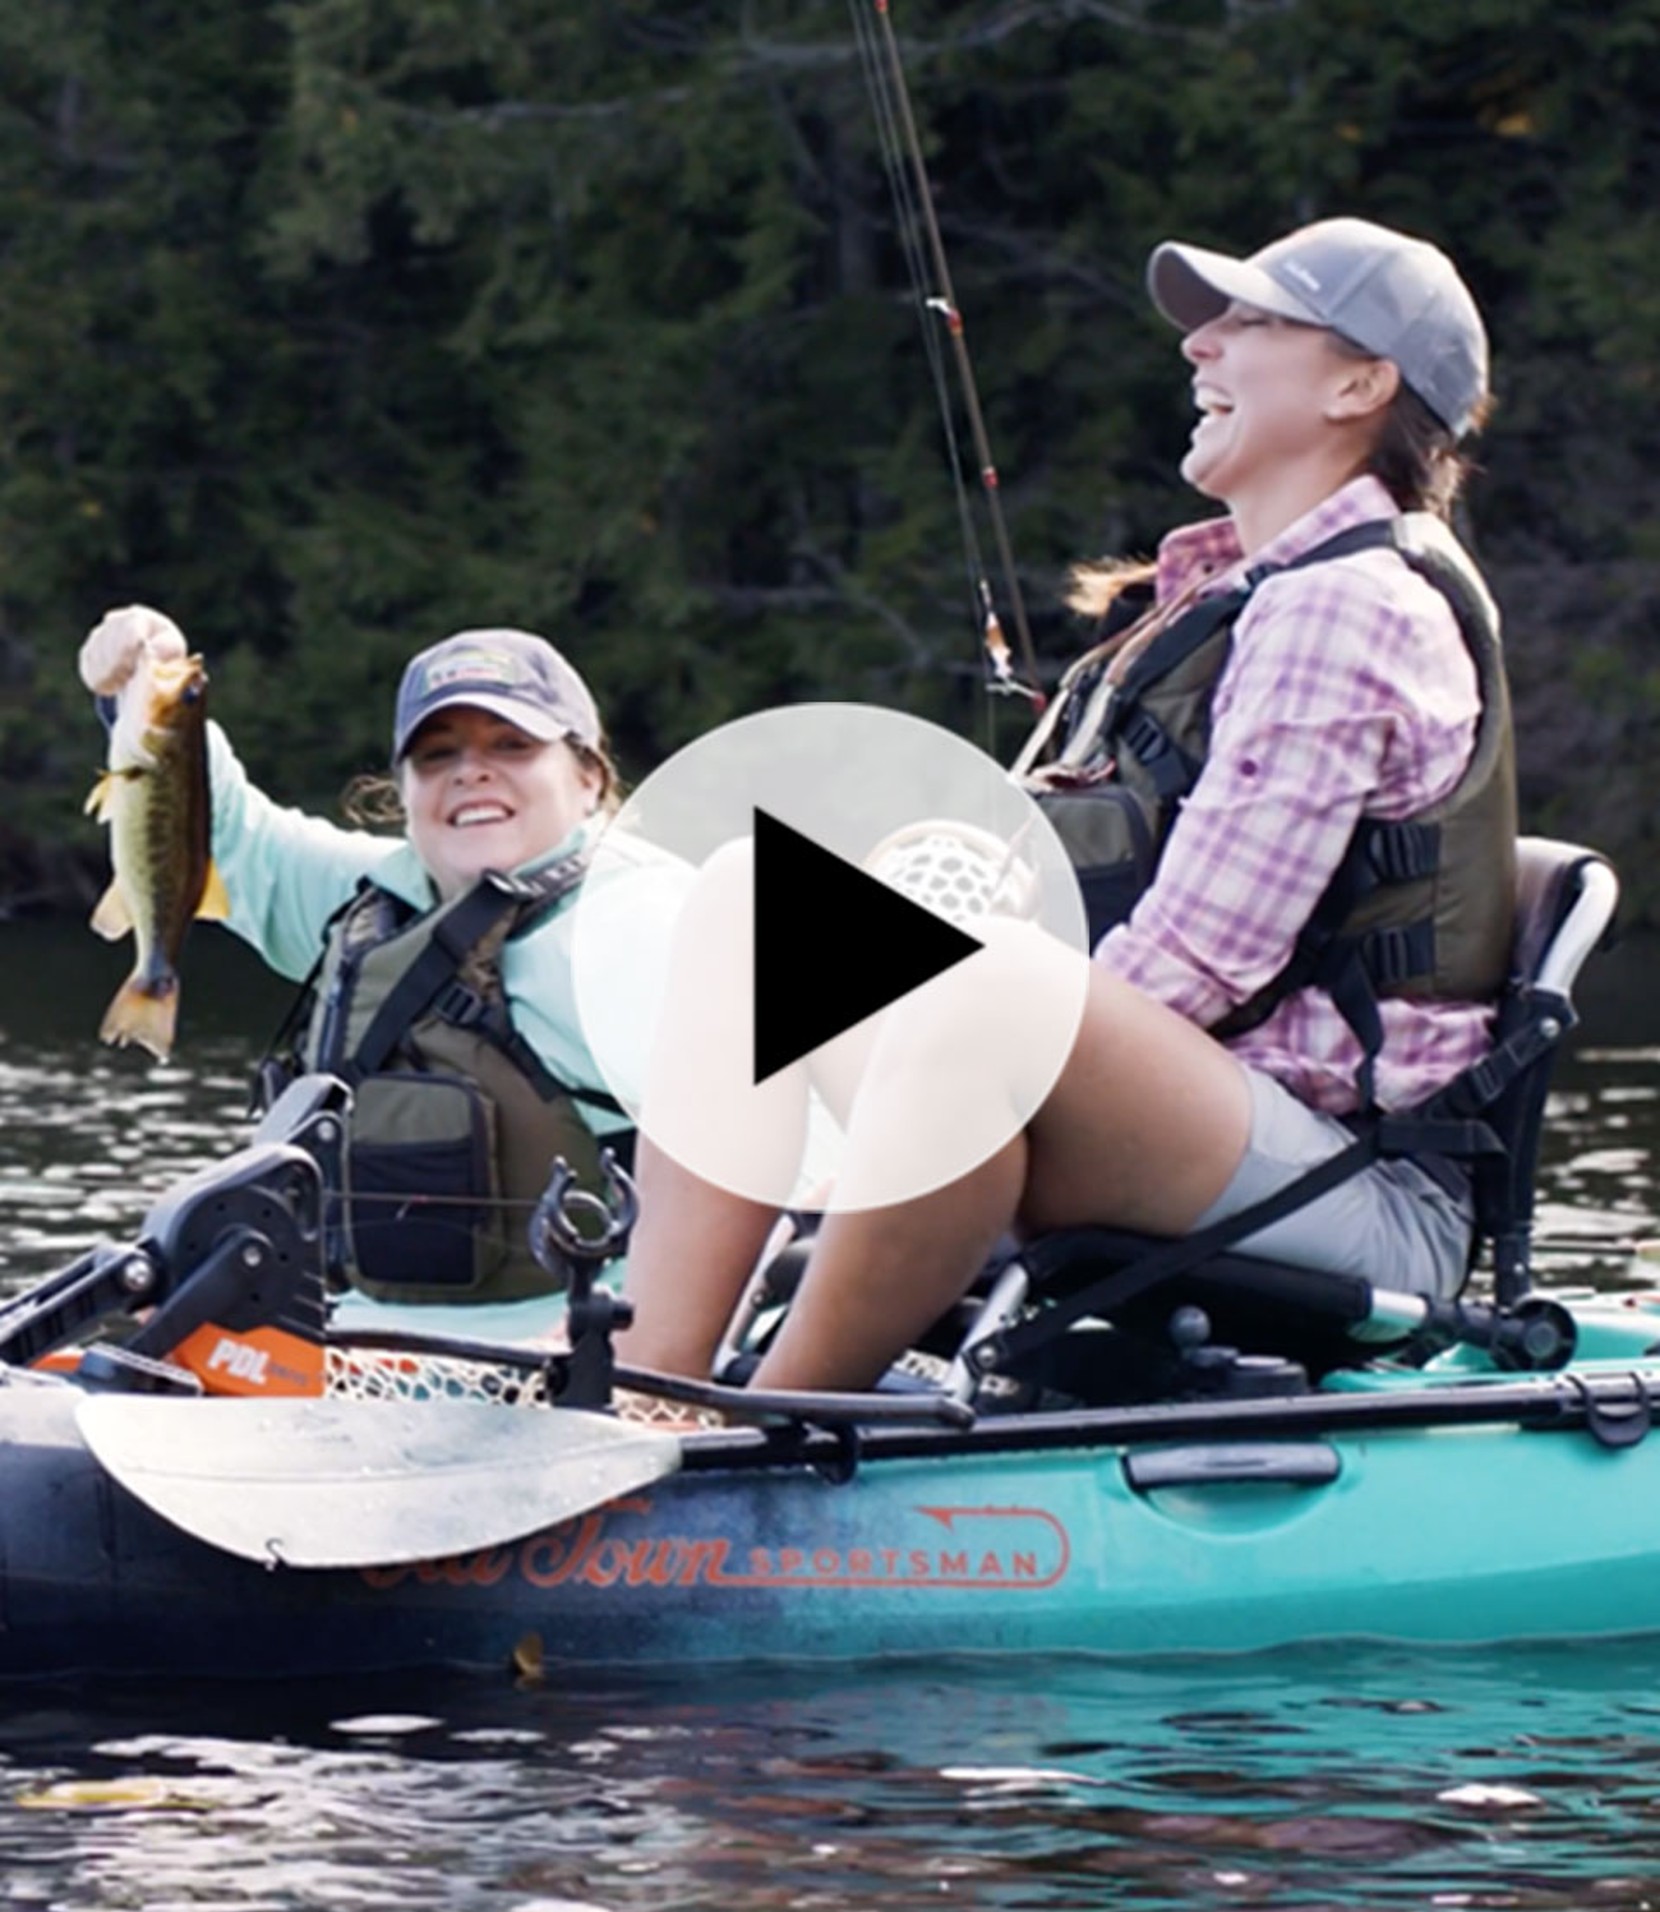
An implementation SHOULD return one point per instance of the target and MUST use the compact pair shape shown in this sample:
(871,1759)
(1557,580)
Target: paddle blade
(309,1483)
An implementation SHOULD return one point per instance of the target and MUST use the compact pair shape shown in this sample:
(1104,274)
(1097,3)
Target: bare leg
(1144,1128)
(879,1277)
(692,1248)
(1146,1125)
(696,1240)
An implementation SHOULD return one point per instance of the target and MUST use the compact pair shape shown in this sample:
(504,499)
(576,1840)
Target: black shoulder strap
(1374,535)
(1183,635)
(1181,638)
(464,1008)
(284,1040)
(1172,770)
(456,932)
(1136,730)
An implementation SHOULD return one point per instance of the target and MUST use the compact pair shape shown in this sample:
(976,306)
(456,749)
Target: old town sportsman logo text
(944,1549)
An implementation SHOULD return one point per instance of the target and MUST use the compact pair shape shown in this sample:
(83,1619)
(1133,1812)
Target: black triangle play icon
(832,945)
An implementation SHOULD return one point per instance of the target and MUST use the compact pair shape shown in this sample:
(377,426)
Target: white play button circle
(840,866)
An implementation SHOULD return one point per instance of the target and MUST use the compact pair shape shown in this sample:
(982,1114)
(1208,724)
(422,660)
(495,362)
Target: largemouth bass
(154,797)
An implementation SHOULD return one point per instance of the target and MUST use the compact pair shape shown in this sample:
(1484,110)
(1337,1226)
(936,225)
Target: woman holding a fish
(438,963)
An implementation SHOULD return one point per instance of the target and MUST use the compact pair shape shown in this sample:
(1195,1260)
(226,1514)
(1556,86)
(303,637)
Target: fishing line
(409,1199)
(930,274)
(383,1208)
(908,230)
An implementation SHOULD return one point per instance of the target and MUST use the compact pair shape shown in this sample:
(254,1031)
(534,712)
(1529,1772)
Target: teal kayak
(1449,1505)
(1116,1447)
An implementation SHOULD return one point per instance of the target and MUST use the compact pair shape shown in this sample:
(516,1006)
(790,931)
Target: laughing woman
(441,991)
(1334,373)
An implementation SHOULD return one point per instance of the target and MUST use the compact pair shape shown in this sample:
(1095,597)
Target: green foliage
(332,325)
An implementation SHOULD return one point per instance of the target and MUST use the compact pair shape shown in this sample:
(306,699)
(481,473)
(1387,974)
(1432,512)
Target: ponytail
(1416,458)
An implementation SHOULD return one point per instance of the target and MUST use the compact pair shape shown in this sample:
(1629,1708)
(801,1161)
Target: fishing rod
(907,172)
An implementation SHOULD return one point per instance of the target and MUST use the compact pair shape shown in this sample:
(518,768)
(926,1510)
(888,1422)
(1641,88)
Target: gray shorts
(1394,1223)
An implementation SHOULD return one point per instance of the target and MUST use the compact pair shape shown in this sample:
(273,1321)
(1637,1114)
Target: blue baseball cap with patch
(512,674)
(1396,297)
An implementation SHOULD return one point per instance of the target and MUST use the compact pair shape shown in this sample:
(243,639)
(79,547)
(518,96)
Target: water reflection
(1312,1779)
(1597,1183)
(86,1144)
(1362,1778)
(89,1137)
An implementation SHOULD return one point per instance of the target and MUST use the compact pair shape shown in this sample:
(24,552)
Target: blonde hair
(1095,586)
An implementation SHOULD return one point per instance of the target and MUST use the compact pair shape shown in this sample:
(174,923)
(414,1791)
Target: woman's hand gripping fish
(154,797)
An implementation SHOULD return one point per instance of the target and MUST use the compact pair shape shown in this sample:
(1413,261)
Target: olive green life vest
(455,1121)
(1422,907)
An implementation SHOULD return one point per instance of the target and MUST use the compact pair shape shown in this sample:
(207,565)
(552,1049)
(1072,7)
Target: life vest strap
(1170,768)
(1399,852)
(455,935)
(1356,968)
(1171,1258)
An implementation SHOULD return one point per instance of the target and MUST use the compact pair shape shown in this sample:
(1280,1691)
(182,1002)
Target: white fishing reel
(958,870)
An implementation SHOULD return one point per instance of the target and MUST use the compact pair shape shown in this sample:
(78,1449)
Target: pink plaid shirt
(1348,692)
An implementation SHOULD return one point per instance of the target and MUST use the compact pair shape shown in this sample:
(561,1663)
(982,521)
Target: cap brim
(1191,286)
(533,721)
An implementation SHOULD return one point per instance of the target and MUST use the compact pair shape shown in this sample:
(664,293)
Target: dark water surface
(1286,1781)
(1358,1778)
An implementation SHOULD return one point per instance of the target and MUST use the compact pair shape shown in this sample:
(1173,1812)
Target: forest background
(331,326)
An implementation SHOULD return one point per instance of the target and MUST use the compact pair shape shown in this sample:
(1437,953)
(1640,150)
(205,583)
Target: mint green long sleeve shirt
(287,872)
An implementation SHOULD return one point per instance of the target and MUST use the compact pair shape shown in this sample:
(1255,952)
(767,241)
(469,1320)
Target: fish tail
(144,1010)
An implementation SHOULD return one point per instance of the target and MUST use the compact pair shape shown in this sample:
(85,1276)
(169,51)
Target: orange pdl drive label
(265,1361)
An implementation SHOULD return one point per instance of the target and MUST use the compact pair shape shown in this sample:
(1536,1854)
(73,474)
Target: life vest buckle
(459,1006)
(1403,852)
(1145,737)
(522,889)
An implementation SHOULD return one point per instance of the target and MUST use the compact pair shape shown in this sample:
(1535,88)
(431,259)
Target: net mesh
(368,1374)
(654,1411)
(958,871)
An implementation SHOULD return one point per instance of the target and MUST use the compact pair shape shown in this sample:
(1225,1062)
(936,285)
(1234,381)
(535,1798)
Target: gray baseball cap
(513,674)
(1396,297)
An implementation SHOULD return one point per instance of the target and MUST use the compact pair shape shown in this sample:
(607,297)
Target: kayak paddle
(325,1483)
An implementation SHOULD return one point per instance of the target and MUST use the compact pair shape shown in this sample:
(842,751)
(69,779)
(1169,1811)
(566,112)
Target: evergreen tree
(334,325)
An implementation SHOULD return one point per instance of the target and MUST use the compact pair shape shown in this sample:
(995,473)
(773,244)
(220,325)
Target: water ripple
(1326,1779)
(1300,1780)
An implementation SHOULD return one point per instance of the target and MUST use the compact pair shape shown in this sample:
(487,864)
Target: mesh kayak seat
(1488,1120)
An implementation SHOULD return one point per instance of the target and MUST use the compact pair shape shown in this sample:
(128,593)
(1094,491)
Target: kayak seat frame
(1489,1119)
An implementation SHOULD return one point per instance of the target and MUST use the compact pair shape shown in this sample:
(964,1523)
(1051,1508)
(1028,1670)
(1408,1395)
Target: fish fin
(100,801)
(145,1015)
(101,797)
(216,903)
(112,918)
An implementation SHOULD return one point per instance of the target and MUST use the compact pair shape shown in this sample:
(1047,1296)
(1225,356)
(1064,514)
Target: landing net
(369,1374)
